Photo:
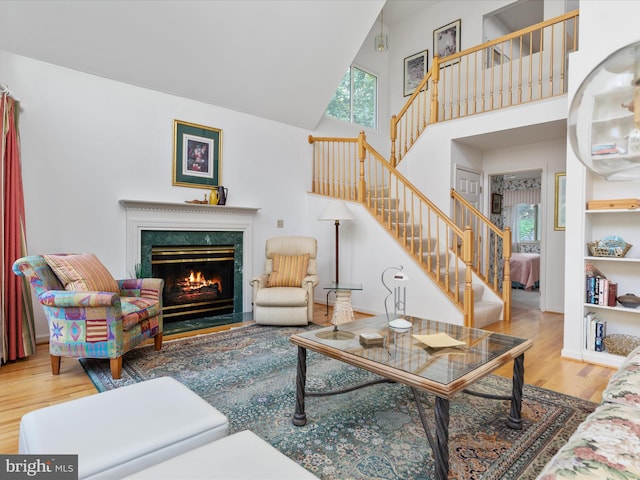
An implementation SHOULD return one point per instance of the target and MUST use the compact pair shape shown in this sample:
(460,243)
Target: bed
(525,270)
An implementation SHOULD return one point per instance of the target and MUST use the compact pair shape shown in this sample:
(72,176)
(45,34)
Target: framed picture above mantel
(197,155)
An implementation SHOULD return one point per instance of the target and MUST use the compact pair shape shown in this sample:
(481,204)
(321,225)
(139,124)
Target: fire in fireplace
(198,280)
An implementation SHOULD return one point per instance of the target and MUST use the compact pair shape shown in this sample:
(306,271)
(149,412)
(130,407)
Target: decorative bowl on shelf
(611,246)
(629,300)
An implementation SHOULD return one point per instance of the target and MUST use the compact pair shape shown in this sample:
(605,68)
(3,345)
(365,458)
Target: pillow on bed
(82,273)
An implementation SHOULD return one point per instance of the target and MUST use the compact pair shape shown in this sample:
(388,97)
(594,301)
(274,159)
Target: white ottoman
(241,456)
(122,431)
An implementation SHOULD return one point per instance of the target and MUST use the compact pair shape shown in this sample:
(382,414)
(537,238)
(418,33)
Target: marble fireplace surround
(165,217)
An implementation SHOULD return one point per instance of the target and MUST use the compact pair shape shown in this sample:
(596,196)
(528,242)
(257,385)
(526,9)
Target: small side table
(342,309)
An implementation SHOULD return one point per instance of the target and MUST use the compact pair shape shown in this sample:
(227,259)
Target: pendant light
(381,42)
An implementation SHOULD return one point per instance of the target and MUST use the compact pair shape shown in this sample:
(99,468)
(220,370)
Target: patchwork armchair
(283,294)
(89,313)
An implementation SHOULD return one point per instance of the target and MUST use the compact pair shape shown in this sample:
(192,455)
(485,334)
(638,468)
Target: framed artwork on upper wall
(415,68)
(560,204)
(446,39)
(197,155)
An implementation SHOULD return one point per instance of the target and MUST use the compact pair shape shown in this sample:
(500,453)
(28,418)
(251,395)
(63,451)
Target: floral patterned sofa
(607,444)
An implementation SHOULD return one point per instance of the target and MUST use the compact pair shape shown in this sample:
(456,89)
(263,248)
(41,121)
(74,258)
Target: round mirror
(604,117)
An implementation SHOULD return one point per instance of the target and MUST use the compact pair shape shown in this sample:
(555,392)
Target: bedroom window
(528,223)
(356,99)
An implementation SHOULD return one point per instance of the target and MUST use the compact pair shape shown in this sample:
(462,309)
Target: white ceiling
(398,10)
(276,59)
(517,136)
(519,15)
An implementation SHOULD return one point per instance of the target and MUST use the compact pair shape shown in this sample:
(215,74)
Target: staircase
(464,254)
(441,264)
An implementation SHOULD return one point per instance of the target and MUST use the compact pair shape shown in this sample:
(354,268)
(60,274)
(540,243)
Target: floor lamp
(337,210)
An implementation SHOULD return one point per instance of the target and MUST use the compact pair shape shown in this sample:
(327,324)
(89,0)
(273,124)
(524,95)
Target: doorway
(522,210)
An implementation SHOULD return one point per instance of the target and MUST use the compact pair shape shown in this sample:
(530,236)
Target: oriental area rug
(249,374)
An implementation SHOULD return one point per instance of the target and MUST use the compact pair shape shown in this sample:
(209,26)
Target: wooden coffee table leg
(300,417)
(441,450)
(515,416)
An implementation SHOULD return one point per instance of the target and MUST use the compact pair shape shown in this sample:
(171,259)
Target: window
(527,223)
(356,99)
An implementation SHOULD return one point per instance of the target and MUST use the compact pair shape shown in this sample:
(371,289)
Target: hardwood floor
(28,384)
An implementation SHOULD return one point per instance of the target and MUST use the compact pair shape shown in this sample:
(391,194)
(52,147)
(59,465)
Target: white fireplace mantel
(144,215)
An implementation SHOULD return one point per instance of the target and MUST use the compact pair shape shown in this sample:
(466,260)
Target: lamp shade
(336,210)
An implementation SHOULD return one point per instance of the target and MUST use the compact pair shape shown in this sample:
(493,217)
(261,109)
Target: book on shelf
(613,294)
(589,328)
(601,331)
(596,330)
(600,291)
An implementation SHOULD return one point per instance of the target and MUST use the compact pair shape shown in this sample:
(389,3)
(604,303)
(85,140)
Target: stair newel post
(435,77)
(393,131)
(506,279)
(467,257)
(314,179)
(362,152)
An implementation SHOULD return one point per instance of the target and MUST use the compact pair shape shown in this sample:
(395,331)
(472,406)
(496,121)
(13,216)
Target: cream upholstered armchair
(283,294)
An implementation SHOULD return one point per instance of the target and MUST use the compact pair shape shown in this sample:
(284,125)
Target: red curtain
(18,333)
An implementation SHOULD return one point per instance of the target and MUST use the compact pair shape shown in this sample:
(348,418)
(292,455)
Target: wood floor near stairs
(28,384)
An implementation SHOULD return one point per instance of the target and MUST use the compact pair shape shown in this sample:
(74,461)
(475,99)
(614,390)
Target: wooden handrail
(495,74)
(457,85)
(419,226)
(492,248)
(421,86)
(533,28)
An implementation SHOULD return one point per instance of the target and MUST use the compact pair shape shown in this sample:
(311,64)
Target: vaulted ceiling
(276,59)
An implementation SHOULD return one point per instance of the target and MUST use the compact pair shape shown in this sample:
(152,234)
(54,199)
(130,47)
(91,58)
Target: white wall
(366,249)
(416,34)
(376,63)
(616,24)
(430,163)
(88,142)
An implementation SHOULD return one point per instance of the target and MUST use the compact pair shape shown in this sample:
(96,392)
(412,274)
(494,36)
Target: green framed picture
(197,155)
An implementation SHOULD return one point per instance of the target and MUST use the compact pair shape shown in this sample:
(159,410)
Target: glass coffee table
(399,357)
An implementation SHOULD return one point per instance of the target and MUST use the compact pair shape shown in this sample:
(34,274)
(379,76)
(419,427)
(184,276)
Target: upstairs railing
(350,169)
(518,68)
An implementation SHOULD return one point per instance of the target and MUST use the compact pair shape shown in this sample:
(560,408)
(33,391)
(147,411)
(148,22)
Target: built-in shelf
(605,307)
(613,259)
(614,210)
(625,271)
(613,118)
(603,358)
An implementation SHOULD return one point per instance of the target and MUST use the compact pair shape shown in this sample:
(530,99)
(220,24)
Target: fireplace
(172,226)
(175,256)
(198,280)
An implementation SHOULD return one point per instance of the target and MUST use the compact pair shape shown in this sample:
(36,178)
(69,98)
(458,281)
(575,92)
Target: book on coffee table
(439,340)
